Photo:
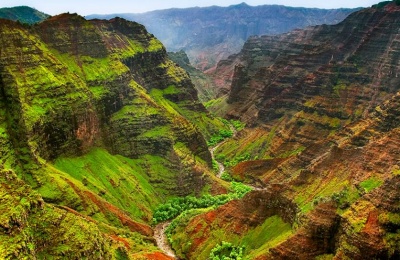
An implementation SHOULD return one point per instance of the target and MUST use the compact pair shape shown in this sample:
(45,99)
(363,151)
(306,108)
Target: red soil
(158,256)
(106,207)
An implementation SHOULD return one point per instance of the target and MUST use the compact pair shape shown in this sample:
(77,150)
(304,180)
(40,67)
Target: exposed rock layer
(333,92)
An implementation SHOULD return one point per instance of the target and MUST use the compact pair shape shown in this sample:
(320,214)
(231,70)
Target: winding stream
(221,167)
(162,240)
(159,231)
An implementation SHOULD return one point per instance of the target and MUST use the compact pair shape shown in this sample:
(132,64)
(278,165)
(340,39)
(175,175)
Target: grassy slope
(98,184)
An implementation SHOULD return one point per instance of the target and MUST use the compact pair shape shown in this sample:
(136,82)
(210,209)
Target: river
(159,231)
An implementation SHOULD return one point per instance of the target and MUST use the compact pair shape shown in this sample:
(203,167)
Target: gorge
(103,137)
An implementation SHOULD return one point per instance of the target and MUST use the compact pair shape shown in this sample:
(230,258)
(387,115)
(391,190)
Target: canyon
(101,132)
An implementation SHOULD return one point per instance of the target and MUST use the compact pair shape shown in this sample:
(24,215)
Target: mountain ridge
(201,31)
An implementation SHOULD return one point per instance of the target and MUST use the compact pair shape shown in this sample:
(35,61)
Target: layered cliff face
(324,106)
(306,85)
(98,127)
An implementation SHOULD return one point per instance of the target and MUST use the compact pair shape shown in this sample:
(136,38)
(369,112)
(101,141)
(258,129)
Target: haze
(125,6)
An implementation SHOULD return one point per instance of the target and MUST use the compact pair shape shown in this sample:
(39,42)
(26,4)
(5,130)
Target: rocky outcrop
(234,218)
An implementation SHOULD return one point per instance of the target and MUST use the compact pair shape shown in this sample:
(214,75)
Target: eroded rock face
(313,82)
(72,89)
(234,218)
(342,186)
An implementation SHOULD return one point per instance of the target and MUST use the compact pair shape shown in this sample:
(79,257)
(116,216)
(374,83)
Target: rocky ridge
(98,126)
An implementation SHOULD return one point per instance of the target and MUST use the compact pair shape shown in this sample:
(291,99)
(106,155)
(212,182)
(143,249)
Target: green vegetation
(226,177)
(176,206)
(254,242)
(320,190)
(223,134)
(292,153)
(181,221)
(215,165)
(238,125)
(371,183)
(23,14)
(346,196)
(219,137)
(226,251)
(121,181)
(205,123)
(252,145)
(268,235)
(230,163)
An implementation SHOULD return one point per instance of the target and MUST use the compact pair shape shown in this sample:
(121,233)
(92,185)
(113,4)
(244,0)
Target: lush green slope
(98,127)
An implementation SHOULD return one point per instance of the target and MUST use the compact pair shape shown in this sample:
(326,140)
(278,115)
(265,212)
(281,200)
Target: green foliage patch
(219,137)
(226,251)
(371,183)
(237,124)
(232,162)
(176,206)
(268,235)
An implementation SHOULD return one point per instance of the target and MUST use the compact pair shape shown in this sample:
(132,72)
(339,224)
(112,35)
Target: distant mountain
(213,33)
(24,14)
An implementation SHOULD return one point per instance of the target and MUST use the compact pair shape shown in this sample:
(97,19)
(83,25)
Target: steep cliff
(324,104)
(305,85)
(98,127)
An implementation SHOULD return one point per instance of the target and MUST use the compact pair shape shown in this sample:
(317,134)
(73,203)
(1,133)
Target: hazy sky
(85,7)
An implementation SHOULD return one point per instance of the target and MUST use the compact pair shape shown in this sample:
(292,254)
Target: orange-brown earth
(323,107)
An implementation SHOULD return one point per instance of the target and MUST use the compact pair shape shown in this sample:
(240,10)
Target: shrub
(226,251)
(219,137)
(238,125)
(226,177)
